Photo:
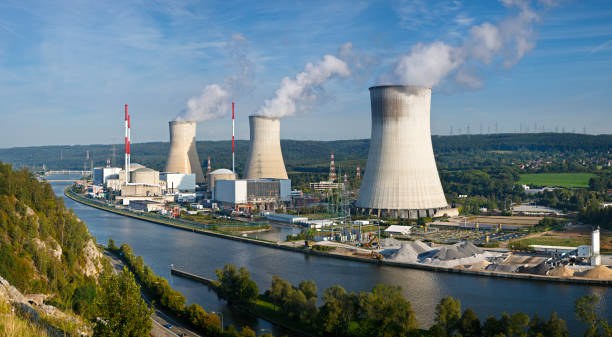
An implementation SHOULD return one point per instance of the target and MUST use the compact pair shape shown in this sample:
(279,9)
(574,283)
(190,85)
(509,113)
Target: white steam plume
(214,101)
(294,92)
(508,41)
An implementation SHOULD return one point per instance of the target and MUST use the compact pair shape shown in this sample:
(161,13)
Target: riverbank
(300,249)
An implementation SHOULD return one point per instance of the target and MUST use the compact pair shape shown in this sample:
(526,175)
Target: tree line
(383,311)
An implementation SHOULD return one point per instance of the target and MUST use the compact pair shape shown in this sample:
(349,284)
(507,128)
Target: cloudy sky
(68,67)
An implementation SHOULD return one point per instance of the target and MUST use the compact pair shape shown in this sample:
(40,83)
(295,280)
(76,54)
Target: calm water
(161,246)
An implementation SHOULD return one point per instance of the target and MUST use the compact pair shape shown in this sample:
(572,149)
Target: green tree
(385,312)
(236,285)
(585,309)
(309,288)
(448,314)
(120,309)
(338,310)
(469,325)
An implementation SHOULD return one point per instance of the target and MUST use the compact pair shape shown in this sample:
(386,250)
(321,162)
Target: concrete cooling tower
(183,157)
(401,177)
(265,159)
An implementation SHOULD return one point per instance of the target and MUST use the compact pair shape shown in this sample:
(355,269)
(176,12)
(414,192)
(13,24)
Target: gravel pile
(540,269)
(457,251)
(507,268)
(460,254)
(408,251)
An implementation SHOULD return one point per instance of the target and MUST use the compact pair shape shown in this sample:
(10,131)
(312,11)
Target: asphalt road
(160,319)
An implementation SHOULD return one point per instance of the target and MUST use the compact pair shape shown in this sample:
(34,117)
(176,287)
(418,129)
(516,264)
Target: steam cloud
(428,64)
(295,92)
(214,101)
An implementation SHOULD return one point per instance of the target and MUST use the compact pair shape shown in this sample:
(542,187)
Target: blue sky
(67,67)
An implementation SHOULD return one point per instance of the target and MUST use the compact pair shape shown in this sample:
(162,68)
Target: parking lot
(450,236)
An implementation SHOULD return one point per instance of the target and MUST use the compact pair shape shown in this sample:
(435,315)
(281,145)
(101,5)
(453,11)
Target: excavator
(371,242)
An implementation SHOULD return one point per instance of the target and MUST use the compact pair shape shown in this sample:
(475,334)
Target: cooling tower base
(399,213)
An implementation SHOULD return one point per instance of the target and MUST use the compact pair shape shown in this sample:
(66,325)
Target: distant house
(398,230)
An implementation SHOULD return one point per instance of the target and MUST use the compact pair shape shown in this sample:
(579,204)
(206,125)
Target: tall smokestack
(233,146)
(183,156)
(265,159)
(127,144)
(401,177)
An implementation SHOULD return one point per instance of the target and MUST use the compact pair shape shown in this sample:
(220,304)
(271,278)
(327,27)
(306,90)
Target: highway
(159,318)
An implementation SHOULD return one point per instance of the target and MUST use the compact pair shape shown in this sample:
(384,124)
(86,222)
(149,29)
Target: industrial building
(179,182)
(267,194)
(265,159)
(324,186)
(219,174)
(102,174)
(183,156)
(401,177)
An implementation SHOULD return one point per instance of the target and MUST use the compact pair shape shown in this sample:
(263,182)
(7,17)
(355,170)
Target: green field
(556,179)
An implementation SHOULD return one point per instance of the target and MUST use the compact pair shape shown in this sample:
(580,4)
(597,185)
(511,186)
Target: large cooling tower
(183,157)
(265,159)
(401,177)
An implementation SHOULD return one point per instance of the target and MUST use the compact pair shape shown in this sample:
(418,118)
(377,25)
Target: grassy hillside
(44,248)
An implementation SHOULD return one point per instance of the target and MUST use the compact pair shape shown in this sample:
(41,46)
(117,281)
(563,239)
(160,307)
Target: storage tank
(401,178)
(265,159)
(145,176)
(219,174)
(183,156)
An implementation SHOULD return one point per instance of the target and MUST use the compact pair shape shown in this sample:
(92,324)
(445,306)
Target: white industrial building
(263,193)
(179,182)
(323,186)
(265,159)
(398,230)
(287,218)
(231,191)
(102,174)
(401,177)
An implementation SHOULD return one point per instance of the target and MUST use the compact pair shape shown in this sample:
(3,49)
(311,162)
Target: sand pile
(561,271)
(598,273)
(478,266)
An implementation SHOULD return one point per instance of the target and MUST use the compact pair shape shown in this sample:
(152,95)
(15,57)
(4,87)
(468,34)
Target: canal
(162,246)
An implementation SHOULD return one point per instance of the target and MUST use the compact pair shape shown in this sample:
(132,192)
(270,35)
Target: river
(161,246)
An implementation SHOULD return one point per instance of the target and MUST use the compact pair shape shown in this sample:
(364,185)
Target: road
(160,319)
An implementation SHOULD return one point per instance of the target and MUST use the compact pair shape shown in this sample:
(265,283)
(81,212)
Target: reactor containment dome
(401,178)
(183,156)
(265,159)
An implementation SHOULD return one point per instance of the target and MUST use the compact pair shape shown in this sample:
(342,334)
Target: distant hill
(310,156)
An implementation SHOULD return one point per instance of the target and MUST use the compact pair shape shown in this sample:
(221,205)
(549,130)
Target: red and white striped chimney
(332,168)
(127,145)
(209,168)
(358,175)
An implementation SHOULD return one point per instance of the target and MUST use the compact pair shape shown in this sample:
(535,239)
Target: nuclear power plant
(183,156)
(401,177)
(265,159)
